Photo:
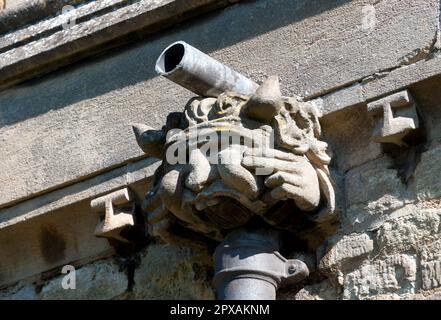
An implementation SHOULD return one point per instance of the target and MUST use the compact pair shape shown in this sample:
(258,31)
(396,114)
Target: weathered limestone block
(431,266)
(133,174)
(425,295)
(431,272)
(50,241)
(349,135)
(170,272)
(418,232)
(62,145)
(413,232)
(345,249)
(373,191)
(319,291)
(100,280)
(19,292)
(428,175)
(394,33)
(395,274)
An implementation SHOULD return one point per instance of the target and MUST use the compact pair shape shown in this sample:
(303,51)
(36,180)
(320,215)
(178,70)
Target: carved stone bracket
(240,158)
(395,116)
(118,208)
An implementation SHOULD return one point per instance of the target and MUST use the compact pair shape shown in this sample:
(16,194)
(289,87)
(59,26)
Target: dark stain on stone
(202,273)
(52,244)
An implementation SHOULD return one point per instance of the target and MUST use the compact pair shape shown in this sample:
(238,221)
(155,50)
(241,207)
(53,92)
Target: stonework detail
(117,211)
(394,275)
(348,247)
(395,116)
(240,167)
(431,266)
(247,156)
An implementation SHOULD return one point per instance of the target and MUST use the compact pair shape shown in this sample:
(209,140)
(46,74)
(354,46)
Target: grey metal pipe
(248,266)
(199,73)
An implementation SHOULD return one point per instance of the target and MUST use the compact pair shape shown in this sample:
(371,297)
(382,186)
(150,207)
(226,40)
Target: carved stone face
(229,160)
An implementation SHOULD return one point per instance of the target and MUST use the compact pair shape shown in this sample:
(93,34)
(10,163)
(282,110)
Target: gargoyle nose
(266,103)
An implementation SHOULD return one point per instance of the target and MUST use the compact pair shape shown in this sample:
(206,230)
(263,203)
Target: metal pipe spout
(199,73)
(248,266)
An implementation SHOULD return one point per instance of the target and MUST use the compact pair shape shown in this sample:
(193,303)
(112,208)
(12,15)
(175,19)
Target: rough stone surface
(403,260)
(320,291)
(346,248)
(411,233)
(394,274)
(428,174)
(164,272)
(431,265)
(373,191)
(49,241)
(170,272)
(97,281)
(19,292)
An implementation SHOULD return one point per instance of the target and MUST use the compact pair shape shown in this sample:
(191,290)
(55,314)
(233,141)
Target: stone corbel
(117,210)
(253,192)
(394,116)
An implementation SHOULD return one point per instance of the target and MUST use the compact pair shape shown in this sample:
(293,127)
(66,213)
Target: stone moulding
(49,44)
(366,92)
(17,15)
(44,45)
(129,174)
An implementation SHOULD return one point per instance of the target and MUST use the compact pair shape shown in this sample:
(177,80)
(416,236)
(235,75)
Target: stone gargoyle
(245,159)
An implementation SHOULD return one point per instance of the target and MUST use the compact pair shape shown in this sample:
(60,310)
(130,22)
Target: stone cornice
(44,45)
(18,15)
(379,85)
(47,45)
(129,174)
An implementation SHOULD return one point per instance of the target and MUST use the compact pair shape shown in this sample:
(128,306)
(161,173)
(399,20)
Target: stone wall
(389,247)
(67,106)
(162,272)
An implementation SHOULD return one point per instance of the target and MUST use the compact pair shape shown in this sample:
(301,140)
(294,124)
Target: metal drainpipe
(248,266)
(200,73)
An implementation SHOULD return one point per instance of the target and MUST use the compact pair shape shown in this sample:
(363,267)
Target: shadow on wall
(135,63)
